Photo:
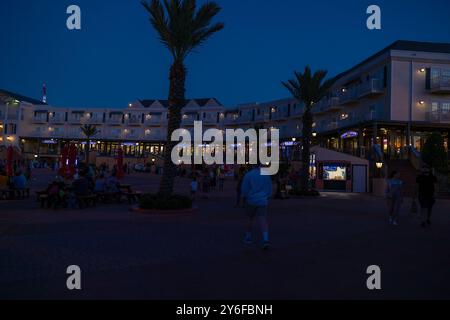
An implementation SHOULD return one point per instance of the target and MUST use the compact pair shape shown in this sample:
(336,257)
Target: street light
(314,134)
(379,164)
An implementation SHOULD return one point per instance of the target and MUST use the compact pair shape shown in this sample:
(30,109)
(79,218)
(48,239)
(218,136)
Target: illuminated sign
(349,134)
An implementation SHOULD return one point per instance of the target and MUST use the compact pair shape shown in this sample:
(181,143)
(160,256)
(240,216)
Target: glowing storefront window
(334,172)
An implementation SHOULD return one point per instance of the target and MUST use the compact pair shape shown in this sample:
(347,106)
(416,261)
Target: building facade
(392,100)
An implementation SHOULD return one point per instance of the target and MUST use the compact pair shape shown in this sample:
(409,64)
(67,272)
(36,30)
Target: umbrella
(73,152)
(64,159)
(9,161)
(120,173)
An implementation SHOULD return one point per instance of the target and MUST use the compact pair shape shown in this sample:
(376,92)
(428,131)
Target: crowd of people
(65,190)
(21,175)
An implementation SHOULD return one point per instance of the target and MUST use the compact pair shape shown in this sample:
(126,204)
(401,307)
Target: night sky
(116,57)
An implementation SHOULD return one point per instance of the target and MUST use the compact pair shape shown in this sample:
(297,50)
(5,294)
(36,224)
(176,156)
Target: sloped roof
(19,97)
(201,102)
(401,45)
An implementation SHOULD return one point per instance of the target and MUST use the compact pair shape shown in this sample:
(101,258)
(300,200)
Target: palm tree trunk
(176,101)
(306,144)
(88,151)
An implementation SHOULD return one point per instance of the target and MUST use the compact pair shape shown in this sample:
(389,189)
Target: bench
(133,197)
(107,197)
(87,201)
(22,193)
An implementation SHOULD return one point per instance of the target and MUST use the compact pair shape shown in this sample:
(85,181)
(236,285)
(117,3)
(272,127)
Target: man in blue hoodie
(256,190)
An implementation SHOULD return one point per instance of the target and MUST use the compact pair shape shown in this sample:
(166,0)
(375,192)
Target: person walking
(256,190)
(394,196)
(426,182)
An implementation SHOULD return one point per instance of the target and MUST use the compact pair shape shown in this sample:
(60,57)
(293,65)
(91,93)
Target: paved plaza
(321,249)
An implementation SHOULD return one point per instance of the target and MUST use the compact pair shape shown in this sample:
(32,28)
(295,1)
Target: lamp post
(379,165)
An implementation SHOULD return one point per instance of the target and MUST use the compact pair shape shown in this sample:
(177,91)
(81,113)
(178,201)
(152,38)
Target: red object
(72,159)
(9,161)
(120,173)
(63,161)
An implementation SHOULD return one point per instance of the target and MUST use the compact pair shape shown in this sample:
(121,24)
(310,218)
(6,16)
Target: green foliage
(157,202)
(89,130)
(181,26)
(434,153)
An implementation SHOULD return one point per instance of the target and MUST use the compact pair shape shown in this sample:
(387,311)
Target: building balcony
(188,122)
(114,121)
(209,122)
(439,117)
(154,136)
(348,96)
(40,119)
(75,120)
(154,122)
(263,117)
(93,120)
(370,88)
(57,120)
(440,85)
(134,121)
(326,105)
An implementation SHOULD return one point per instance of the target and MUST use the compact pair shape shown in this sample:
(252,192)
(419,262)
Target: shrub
(157,202)
(434,153)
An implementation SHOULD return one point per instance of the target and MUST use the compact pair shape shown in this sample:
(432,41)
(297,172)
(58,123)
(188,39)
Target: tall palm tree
(308,89)
(89,131)
(181,28)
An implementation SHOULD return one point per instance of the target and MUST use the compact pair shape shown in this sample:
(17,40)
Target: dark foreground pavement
(321,250)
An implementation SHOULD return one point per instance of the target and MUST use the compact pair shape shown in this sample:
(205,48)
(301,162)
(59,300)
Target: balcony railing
(369,88)
(40,119)
(57,119)
(348,96)
(115,121)
(441,83)
(93,120)
(436,116)
(188,122)
(75,120)
(154,121)
(134,121)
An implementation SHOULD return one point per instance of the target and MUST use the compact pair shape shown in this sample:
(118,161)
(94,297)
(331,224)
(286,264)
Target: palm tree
(181,28)
(89,131)
(308,89)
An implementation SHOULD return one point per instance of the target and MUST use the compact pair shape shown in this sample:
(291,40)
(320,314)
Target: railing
(115,121)
(188,121)
(75,120)
(154,121)
(262,117)
(40,119)
(348,96)
(134,121)
(436,116)
(370,87)
(441,81)
(93,120)
(57,119)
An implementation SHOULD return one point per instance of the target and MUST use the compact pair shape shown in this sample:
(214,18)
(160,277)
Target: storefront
(337,171)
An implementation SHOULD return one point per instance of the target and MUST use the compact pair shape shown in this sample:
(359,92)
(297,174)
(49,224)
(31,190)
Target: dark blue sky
(116,57)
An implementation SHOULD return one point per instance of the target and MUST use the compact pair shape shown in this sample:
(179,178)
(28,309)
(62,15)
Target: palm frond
(180,26)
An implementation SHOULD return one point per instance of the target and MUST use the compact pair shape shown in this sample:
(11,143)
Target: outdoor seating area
(14,176)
